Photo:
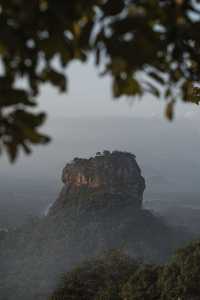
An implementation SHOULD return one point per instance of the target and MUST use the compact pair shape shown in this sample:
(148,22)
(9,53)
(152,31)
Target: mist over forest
(39,241)
(109,209)
(168,154)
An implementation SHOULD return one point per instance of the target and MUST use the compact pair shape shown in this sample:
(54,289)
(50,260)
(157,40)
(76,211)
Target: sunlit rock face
(110,179)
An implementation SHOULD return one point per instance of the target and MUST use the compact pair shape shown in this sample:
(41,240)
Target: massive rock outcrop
(108,180)
(99,209)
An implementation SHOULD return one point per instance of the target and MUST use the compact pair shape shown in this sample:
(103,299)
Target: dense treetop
(146,46)
(117,277)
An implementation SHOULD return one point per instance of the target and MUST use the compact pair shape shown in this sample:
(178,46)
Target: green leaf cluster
(121,278)
(159,39)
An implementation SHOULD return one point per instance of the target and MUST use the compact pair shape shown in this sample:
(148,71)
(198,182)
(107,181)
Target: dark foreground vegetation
(127,38)
(118,277)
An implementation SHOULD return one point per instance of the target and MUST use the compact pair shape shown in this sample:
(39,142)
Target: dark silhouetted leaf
(169,111)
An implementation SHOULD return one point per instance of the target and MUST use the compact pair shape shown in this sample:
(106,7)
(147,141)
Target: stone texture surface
(106,180)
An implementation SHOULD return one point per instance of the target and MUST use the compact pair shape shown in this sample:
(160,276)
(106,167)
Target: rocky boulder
(110,179)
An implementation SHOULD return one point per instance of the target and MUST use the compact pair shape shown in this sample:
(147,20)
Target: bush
(143,284)
(117,277)
(180,279)
(99,279)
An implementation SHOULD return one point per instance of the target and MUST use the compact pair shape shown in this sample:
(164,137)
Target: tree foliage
(143,284)
(99,279)
(146,46)
(181,278)
(117,277)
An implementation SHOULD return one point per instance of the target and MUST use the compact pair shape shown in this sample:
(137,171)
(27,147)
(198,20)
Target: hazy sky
(91,95)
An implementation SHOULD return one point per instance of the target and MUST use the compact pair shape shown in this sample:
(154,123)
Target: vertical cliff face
(109,179)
